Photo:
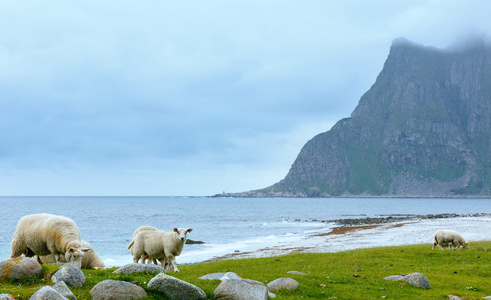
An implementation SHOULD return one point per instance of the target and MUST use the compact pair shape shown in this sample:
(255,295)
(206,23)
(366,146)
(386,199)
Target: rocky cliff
(423,129)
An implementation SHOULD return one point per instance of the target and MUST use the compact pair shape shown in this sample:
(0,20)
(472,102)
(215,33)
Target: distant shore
(393,230)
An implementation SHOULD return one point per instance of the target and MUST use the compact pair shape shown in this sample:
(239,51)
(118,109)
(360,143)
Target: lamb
(45,234)
(138,230)
(450,238)
(90,260)
(162,245)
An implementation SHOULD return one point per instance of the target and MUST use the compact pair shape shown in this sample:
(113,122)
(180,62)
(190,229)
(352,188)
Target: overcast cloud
(190,97)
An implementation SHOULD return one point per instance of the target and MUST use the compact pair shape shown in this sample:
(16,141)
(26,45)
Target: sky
(191,98)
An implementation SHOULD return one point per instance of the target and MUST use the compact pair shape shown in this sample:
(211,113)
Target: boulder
(174,288)
(117,290)
(283,283)
(241,289)
(6,297)
(212,276)
(47,293)
(19,267)
(394,277)
(136,268)
(230,275)
(453,297)
(63,289)
(419,280)
(70,274)
(296,273)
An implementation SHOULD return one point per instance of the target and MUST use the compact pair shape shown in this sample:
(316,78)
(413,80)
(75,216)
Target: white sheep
(450,238)
(45,234)
(138,230)
(161,245)
(90,260)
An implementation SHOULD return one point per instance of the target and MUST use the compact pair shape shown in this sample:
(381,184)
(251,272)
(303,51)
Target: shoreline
(350,234)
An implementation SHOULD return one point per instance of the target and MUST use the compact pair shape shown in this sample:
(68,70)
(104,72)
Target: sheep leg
(173,262)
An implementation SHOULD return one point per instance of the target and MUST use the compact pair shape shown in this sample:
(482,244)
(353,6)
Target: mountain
(422,130)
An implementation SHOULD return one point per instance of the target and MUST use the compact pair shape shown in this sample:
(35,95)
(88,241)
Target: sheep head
(181,233)
(75,254)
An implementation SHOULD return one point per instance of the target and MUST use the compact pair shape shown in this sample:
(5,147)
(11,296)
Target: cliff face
(423,129)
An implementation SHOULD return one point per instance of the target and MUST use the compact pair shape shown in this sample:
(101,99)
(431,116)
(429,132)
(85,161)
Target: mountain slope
(423,129)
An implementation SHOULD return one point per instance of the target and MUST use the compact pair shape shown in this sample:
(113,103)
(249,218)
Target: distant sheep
(138,230)
(449,238)
(45,234)
(162,245)
(90,260)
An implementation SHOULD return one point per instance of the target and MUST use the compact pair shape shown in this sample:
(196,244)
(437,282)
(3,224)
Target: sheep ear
(85,249)
(175,230)
(189,230)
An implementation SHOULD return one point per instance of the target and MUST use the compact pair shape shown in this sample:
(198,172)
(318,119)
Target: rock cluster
(416,279)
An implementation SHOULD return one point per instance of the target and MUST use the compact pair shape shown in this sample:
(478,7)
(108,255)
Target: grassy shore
(354,274)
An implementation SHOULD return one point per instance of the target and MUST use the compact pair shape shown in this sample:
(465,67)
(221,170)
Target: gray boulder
(117,290)
(453,297)
(296,273)
(63,289)
(230,275)
(47,293)
(419,280)
(70,274)
(395,278)
(283,283)
(241,289)
(136,268)
(19,267)
(212,276)
(6,297)
(175,289)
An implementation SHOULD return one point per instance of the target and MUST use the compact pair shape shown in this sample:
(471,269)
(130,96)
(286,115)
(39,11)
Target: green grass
(356,274)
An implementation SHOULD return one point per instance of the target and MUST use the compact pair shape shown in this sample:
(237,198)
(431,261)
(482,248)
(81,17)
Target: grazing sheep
(90,260)
(450,238)
(45,234)
(138,230)
(162,245)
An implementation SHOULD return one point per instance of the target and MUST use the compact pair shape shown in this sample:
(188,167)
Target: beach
(341,238)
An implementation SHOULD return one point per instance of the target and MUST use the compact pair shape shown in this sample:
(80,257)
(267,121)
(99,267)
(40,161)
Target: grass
(355,274)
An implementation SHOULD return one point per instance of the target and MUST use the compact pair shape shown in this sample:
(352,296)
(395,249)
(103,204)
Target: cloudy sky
(191,97)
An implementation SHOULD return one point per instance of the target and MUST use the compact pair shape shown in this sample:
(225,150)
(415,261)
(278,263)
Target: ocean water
(225,225)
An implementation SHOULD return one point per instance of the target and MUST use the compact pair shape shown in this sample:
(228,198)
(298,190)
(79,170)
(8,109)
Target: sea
(224,225)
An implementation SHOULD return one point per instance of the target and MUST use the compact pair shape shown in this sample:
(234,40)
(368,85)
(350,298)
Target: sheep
(90,260)
(162,245)
(450,238)
(45,234)
(138,230)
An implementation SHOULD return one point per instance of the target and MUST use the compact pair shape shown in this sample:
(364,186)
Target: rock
(395,278)
(117,290)
(282,283)
(174,288)
(191,242)
(230,275)
(70,274)
(47,293)
(418,279)
(487,297)
(6,297)
(241,289)
(296,273)
(453,297)
(19,267)
(63,289)
(136,268)
(212,276)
